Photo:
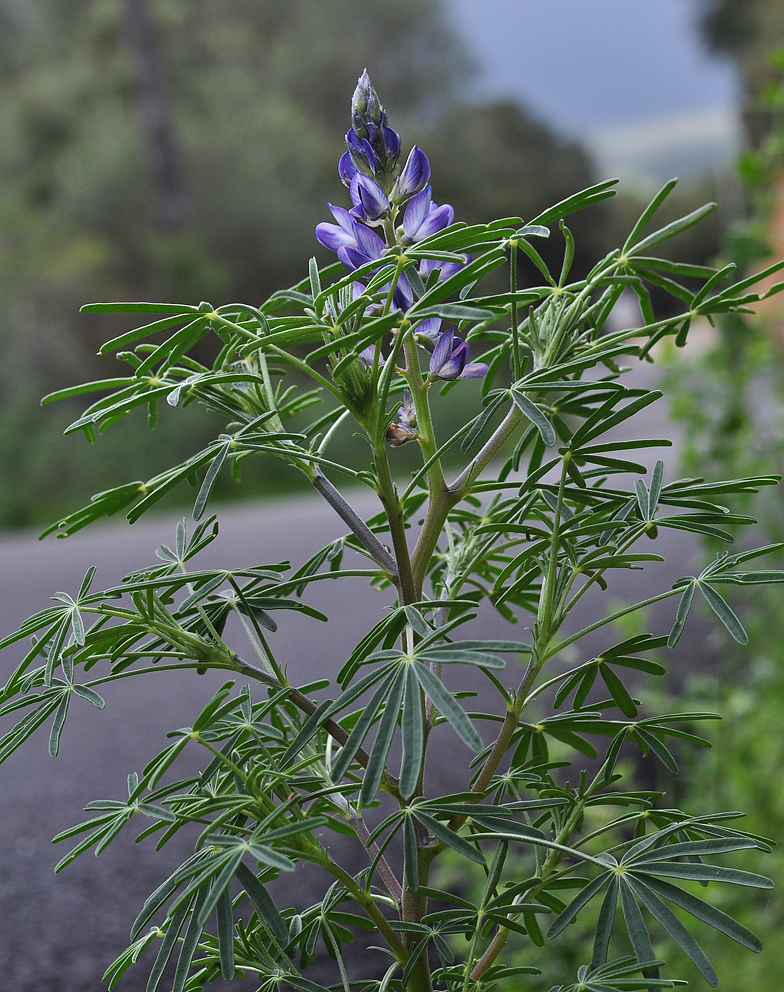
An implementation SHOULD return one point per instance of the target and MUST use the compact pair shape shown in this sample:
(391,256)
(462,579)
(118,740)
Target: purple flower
(346,168)
(370,196)
(449,357)
(367,355)
(428,332)
(422,218)
(415,175)
(367,246)
(445,269)
(336,236)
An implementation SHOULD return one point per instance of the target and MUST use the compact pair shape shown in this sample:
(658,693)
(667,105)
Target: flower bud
(365,106)
(398,434)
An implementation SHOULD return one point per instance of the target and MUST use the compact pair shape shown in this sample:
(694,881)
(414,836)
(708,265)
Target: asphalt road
(57,934)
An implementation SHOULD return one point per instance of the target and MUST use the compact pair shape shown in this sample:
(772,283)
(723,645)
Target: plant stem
(365,900)
(513,291)
(394,511)
(356,524)
(385,871)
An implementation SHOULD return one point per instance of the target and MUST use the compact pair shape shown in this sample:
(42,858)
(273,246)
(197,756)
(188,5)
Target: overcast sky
(588,65)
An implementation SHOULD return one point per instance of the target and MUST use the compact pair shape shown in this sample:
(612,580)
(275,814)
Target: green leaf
(618,691)
(225,921)
(677,931)
(90,694)
(455,312)
(181,308)
(57,725)
(702,910)
(262,903)
(210,477)
(449,837)
(648,213)
(455,655)
(221,883)
(381,745)
(675,227)
(533,231)
(189,944)
(173,927)
(681,615)
(699,872)
(582,898)
(410,854)
(723,611)
(651,742)
(368,715)
(412,734)
(578,201)
(536,416)
(604,925)
(448,706)
(635,925)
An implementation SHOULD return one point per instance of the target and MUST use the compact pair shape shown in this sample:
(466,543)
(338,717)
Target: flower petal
(442,350)
(343,217)
(346,169)
(371,196)
(368,241)
(435,221)
(415,174)
(334,237)
(416,211)
(473,370)
(430,329)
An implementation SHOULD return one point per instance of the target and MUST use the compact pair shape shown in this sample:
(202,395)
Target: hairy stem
(394,511)
(387,875)
(356,524)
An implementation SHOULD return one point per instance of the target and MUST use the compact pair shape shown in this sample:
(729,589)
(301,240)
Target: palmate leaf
(617,976)
(639,879)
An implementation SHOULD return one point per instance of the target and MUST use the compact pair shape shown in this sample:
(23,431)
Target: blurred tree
(748,32)
(186,149)
(496,160)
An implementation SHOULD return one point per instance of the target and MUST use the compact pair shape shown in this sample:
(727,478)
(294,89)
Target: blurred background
(180,150)
(170,150)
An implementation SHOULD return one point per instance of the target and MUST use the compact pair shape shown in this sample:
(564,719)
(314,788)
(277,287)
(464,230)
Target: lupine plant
(526,510)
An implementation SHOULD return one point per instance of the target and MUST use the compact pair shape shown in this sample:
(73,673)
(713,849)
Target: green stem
(394,512)
(366,901)
(419,392)
(513,289)
(545,619)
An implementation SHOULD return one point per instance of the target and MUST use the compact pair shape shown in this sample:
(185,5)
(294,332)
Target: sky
(629,77)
